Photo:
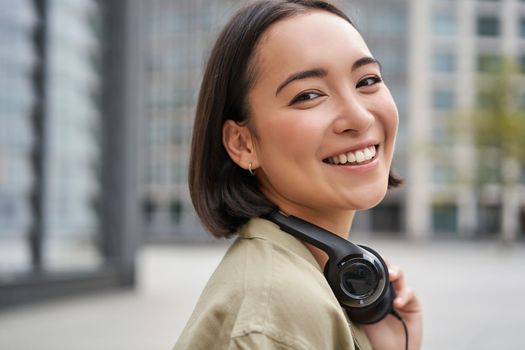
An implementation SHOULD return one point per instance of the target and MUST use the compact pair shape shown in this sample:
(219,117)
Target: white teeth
(362,155)
(359,156)
(367,153)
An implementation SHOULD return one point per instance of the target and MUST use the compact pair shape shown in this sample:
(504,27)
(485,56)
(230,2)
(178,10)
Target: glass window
(441,133)
(488,26)
(176,208)
(444,62)
(442,173)
(444,24)
(522,27)
(522,218)
(148,207)
(178,168)
(521,62)
(489,171)
(390,23)
(486,100)
(490,219)
(489,63)
(445,218)
(522,104)
(387,217)
(443,100)
(390,58)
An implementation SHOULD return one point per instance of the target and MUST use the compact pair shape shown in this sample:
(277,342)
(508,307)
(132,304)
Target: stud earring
(252,172)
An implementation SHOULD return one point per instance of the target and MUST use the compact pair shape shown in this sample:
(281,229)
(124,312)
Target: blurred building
(431,51)
(72,132)
(17,59)
(67,141)
(76,76)
(179,35)
(453,43)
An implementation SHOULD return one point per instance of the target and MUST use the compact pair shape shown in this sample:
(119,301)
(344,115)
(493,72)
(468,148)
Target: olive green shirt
(269,292)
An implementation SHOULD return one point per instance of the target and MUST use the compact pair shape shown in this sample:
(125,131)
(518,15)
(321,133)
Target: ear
(238,141)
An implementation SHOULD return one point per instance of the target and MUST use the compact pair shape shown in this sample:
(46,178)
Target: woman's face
(325,123)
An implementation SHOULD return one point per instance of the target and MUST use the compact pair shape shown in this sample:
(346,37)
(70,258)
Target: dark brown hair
(224,195)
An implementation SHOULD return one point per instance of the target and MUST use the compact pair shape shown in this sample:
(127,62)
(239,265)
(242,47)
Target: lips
(356,157)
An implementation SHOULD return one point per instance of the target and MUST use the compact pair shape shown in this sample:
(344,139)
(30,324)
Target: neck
(338,224)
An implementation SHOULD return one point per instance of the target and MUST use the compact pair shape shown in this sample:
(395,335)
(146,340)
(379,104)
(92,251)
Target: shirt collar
(267,230)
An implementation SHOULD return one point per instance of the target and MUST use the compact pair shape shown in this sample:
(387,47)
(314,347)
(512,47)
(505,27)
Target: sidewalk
(472,293)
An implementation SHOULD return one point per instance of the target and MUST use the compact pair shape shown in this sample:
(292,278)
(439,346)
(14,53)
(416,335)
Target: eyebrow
(363,61)
(320,72)
(311,73)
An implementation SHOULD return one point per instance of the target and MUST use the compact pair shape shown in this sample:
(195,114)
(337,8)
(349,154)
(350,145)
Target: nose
(353,115)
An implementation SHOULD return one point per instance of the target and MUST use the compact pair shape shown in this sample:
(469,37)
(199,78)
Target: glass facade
(17,59)
(64,193)
(72,134)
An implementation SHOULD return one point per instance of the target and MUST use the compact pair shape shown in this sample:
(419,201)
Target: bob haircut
(224,195)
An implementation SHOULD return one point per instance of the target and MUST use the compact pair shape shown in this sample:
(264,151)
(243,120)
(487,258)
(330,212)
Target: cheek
(389,118)
(293,134)
(281,147)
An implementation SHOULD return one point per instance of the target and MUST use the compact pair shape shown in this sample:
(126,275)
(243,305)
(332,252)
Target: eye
(369,81)
(306,96)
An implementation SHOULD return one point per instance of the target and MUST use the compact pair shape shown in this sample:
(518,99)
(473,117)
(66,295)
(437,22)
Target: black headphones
(357,274)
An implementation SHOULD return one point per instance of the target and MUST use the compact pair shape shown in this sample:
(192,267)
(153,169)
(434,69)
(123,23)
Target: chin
(369,197)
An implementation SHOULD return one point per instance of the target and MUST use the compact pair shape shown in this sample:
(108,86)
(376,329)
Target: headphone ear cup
(362,287)
(375,312)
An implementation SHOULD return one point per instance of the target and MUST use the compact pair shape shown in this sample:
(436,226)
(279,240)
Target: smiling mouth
(357,157)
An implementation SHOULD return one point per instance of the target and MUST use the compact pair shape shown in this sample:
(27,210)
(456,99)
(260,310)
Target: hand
(388,334)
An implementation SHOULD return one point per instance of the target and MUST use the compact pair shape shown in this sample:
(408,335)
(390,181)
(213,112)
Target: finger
(404,298)
(408,303)
(397,277)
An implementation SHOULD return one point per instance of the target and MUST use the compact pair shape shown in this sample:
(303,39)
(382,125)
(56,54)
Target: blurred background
(99,244)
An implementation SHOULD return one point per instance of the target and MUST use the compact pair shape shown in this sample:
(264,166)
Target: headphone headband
(357,275)
(335,246)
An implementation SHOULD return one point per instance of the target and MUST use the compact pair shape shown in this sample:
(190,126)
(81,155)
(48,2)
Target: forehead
(310,39)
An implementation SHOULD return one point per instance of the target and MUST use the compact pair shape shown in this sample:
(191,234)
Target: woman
(292,114)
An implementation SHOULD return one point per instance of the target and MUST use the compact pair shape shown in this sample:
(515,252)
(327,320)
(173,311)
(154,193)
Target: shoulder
(265,292)
(287,299)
